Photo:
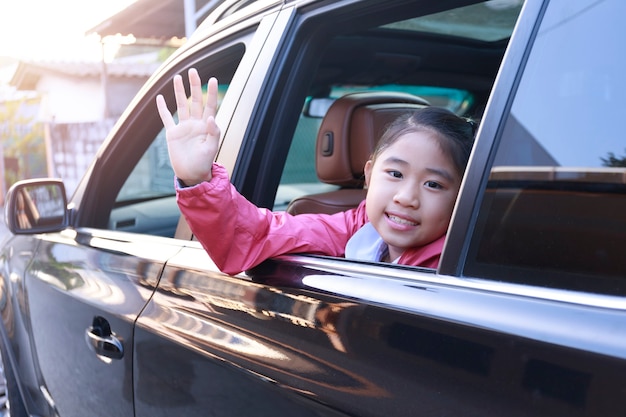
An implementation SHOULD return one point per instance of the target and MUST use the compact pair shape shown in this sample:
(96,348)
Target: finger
(181,98)
(196,93)
(213,129)
(164,112)
(211,102)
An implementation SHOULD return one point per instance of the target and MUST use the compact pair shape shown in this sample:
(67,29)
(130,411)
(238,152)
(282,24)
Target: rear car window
(553,211)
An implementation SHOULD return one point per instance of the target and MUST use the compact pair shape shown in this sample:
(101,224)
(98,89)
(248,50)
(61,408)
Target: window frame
(467,211)
(488,136)
(140,125)
(258,168)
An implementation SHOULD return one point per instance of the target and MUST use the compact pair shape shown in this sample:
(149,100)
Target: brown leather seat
(345,141)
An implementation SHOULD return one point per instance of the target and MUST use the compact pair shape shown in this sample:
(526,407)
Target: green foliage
(614,161)
(165,52)
(22,138)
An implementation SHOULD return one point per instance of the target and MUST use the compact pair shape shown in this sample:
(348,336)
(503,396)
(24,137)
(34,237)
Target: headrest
(351,129)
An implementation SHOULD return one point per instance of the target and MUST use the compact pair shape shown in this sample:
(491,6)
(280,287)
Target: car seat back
(345,141)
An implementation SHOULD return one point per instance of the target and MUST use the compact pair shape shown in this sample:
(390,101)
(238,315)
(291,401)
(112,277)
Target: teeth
(399,220)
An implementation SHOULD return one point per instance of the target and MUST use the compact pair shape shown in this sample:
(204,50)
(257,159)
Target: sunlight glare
(54,30)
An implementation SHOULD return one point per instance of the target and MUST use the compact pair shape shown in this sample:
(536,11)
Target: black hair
(455,134)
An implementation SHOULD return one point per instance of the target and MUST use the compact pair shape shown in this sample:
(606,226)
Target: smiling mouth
(401,221)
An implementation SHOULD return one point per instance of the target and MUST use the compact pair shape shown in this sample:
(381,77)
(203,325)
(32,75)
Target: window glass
(146,202)
(454,99)
(152,176)
(553,211)
(487,21)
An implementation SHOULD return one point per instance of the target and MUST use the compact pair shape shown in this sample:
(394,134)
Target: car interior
(345,141)
(363,80)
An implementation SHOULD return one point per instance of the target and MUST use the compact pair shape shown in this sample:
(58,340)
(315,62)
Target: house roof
(28,74)
(161,19)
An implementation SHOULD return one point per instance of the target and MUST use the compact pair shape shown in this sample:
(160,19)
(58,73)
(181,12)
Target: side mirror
(36,206)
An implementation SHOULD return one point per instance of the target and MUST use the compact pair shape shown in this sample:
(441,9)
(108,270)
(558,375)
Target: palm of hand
(192,149)
(194,140)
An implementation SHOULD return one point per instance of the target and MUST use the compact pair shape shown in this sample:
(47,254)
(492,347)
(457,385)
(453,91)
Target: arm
(238,235)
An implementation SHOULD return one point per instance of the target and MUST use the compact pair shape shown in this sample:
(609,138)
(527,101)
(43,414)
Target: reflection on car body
(523,317)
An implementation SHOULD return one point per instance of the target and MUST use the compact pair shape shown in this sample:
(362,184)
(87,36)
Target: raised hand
(193,142)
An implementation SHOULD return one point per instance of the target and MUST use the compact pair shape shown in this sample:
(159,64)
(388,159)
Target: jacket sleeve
(238,235)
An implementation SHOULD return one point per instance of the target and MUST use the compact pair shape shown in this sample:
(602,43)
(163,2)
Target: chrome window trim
(481,306)
(348,267)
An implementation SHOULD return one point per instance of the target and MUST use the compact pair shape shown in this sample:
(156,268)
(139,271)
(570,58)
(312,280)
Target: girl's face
(412,187)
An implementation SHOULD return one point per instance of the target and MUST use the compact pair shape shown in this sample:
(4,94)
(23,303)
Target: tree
(613,161)
(22,139)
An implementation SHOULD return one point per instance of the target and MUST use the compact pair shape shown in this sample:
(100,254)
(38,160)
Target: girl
(412,179)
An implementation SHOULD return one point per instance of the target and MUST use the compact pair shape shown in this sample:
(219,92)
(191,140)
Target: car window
(480,23)
(299,176)
(146,201)
(151,177)
(553,210)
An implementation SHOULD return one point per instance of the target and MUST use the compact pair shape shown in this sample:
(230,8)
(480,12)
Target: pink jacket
(238,235)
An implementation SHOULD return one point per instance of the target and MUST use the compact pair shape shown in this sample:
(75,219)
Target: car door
(310,335)
(169,377)
(548,224)
(83,288)
(306,335)
(74,296)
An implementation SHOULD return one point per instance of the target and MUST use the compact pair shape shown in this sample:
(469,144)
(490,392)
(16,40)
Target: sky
(53,29)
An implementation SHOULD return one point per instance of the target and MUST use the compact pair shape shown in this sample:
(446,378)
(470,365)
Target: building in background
(74,92)
(73,105)
(76,109)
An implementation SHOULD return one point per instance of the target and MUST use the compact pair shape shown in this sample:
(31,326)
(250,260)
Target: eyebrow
(441,172)
(396,160)
(436,171)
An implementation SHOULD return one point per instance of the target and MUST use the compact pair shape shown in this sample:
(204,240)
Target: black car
(111,308)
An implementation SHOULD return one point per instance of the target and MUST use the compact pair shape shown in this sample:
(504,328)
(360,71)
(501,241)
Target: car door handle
(102,341)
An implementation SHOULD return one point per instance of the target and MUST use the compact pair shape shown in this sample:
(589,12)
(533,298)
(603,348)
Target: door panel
(16,256)
(204,336)
(82,280)
(362,344)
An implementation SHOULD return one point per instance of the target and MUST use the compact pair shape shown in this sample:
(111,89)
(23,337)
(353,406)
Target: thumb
(212,128)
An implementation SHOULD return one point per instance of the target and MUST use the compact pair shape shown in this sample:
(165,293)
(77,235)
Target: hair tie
(473,126)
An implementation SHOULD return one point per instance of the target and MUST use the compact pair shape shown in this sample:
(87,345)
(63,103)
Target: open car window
(396,56)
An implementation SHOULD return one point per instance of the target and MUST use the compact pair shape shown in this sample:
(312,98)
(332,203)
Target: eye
(394,173)
(433,184)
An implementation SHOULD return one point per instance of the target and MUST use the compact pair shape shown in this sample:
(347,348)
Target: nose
(407,195)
